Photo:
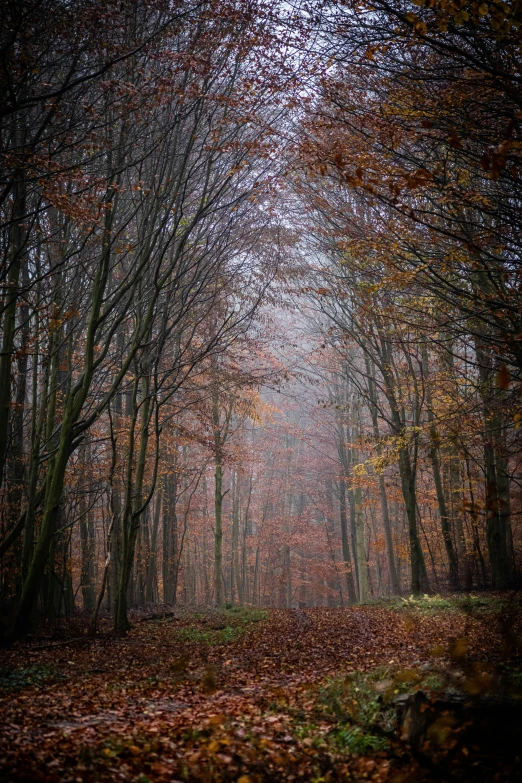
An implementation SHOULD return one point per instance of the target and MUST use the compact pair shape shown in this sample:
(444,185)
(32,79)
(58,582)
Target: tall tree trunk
(116,538)
(218,533)
(133,506)
(17,462)
(87,539)
(58,463)
(256,595)
(141,558)
(495,521)
(218,504)
(385,515)
(15,255)
(151,593)
(170,536)
(333,583)
(234,554)
(419,575)
(362,571)
(345,546)
(378,569)
(37,428)
(445,522)
(288,510)
(244,582)
(356,515)
(501,447)
(344,452)
(407,470)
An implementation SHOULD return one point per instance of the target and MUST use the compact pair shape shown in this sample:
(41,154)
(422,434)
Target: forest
(260,390)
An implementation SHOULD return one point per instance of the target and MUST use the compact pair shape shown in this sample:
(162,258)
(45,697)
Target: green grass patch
(221,626)
(213,636)
(432,604)
(244,614)
(17,679)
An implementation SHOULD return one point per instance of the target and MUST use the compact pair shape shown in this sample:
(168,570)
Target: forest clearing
(246,695)
(260,390)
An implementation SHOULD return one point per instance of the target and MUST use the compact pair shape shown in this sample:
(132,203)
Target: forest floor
(246,695)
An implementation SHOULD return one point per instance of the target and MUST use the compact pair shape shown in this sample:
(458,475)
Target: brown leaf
(503,377)
(209,681)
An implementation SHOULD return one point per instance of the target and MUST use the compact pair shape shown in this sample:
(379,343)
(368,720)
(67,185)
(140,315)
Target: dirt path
(164,705)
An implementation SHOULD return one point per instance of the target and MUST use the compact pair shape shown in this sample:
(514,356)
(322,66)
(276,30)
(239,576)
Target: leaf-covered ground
(250,696)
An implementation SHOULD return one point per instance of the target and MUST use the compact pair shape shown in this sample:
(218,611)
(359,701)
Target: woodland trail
(212,695)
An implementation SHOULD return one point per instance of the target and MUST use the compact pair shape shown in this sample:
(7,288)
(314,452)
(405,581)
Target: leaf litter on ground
(246,695)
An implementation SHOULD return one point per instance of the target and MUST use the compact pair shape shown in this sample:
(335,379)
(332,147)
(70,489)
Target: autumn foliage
(260,362)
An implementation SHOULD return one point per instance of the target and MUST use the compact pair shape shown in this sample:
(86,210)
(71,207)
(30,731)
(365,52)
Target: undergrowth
(213,636)
(221,626)
(432,604)
(19,678)
(359,709)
